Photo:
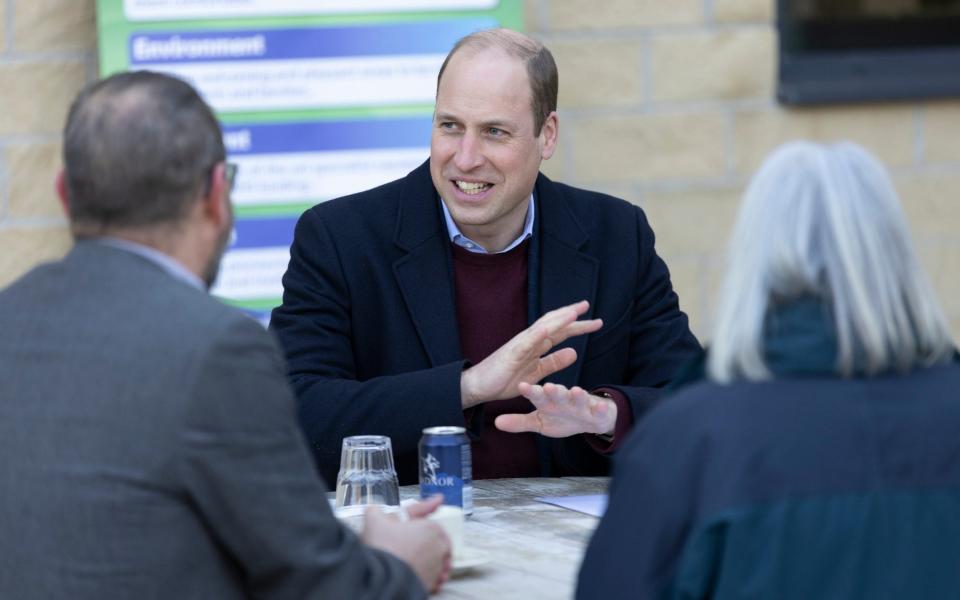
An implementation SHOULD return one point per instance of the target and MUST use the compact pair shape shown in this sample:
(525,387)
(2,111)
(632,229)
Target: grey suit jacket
(149,449)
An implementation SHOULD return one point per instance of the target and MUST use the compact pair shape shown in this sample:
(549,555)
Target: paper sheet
(594,505)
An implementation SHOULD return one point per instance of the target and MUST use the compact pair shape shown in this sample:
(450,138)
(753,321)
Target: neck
(494,237)
(173,240)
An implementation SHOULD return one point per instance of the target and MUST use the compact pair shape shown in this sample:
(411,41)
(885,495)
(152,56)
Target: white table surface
(534,549)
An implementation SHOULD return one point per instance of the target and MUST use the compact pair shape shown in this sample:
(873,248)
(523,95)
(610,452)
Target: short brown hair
(541,68)
(138,150)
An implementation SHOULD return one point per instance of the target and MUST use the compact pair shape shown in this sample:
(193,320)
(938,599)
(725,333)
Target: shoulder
(703,409)
(375,205)
(361,202)
(708,426)
(585,202)
(728,413)
(234,338)
(755,440)
(368,214)
(196,327)
(174,318)
(599,214)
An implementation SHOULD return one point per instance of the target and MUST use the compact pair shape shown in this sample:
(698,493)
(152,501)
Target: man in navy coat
(448,296)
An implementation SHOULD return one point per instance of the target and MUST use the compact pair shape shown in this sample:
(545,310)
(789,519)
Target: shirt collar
(457,237)
(164,261)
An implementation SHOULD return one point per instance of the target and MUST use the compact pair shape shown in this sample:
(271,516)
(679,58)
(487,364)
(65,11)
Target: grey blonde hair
(824,221)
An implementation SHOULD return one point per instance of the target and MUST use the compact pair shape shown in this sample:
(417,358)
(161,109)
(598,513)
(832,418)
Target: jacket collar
(557,218)
(564,272)
(420,218)
(560,273)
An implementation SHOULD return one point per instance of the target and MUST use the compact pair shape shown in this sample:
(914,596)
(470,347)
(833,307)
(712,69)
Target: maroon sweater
(491,295)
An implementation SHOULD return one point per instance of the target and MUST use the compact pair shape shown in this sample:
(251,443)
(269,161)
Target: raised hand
(525,359)
(561,412)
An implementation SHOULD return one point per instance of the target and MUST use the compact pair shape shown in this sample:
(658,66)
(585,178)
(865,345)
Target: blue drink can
(446,467)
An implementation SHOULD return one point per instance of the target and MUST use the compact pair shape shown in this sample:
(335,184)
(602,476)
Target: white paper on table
(594,505)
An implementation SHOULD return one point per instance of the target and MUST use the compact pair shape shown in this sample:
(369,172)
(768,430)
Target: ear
(549,135)
(216,202)
(60,183)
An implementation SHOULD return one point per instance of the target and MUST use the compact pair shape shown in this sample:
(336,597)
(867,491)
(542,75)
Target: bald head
(538,61)
(138,150)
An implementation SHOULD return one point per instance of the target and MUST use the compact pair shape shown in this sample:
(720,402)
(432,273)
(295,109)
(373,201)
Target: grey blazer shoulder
(152,438)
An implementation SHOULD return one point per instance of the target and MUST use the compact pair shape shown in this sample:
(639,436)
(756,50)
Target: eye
(447,125)
(496,132)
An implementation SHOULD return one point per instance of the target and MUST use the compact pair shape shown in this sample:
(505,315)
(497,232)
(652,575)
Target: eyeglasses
(230,174)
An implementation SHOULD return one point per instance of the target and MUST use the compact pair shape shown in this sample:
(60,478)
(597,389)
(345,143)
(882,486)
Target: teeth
(471,188)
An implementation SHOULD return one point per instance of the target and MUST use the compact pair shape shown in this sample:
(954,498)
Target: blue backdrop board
(318,99)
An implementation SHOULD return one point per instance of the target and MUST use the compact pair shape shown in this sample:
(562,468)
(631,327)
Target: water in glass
(367,474)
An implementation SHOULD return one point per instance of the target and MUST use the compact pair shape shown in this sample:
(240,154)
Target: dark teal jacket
(808,487)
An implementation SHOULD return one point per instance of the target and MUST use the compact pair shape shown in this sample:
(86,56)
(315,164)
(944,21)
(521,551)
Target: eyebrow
(504,124)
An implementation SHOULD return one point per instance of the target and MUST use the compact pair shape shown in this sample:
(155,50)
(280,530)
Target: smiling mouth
(472,188)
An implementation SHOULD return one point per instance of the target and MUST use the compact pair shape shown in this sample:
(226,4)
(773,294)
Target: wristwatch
(606,437)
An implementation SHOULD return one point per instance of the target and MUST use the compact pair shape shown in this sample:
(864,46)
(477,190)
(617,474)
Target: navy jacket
(799,488)
(368,320)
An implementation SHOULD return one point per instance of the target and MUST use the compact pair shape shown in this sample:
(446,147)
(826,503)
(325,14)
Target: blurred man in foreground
(148,437)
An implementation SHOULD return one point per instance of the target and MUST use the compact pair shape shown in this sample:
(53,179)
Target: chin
(213,268)
(469,215)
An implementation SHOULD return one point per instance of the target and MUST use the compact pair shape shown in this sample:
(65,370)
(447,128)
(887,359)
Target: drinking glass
(367,475)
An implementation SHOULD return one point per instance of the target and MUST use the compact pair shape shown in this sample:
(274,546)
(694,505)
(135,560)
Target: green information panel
(318,99)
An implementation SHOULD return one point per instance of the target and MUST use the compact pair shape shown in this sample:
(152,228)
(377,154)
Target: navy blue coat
(369,326)
(798,488)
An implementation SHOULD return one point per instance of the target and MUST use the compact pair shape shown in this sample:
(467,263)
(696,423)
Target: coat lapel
(425,274)
(567,275)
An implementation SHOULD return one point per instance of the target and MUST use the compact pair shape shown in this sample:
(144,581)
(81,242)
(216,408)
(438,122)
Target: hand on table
(420,543)
(561,412)
(525,359)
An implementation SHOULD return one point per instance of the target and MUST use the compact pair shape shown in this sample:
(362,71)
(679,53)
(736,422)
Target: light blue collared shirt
(457,237)
(165,262)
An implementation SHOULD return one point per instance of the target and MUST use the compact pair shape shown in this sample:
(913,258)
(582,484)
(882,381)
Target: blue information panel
(318,99)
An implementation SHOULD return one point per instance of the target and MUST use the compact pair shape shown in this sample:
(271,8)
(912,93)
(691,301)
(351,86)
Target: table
(534,548)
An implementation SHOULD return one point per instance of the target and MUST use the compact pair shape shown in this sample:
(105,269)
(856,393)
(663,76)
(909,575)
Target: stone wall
(47,53)
(671,105)
(667,104)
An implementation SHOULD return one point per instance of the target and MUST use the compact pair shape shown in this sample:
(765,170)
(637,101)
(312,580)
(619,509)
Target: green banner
(318,99)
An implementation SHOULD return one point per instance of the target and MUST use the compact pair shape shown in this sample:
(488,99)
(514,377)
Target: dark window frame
(866,73)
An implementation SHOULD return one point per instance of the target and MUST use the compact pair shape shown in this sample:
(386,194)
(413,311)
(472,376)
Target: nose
(469,154)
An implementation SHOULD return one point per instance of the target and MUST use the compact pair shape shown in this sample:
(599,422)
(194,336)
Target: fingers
(514,423)
(581,327)
(418,510)
(555,361)
(566,313)
(561,323)
(445,570)
(546,337)
(445,574)
(580,399)
(555,399)
(371,518)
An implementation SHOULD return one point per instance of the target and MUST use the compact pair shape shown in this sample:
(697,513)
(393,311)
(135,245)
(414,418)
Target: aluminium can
(446,466)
